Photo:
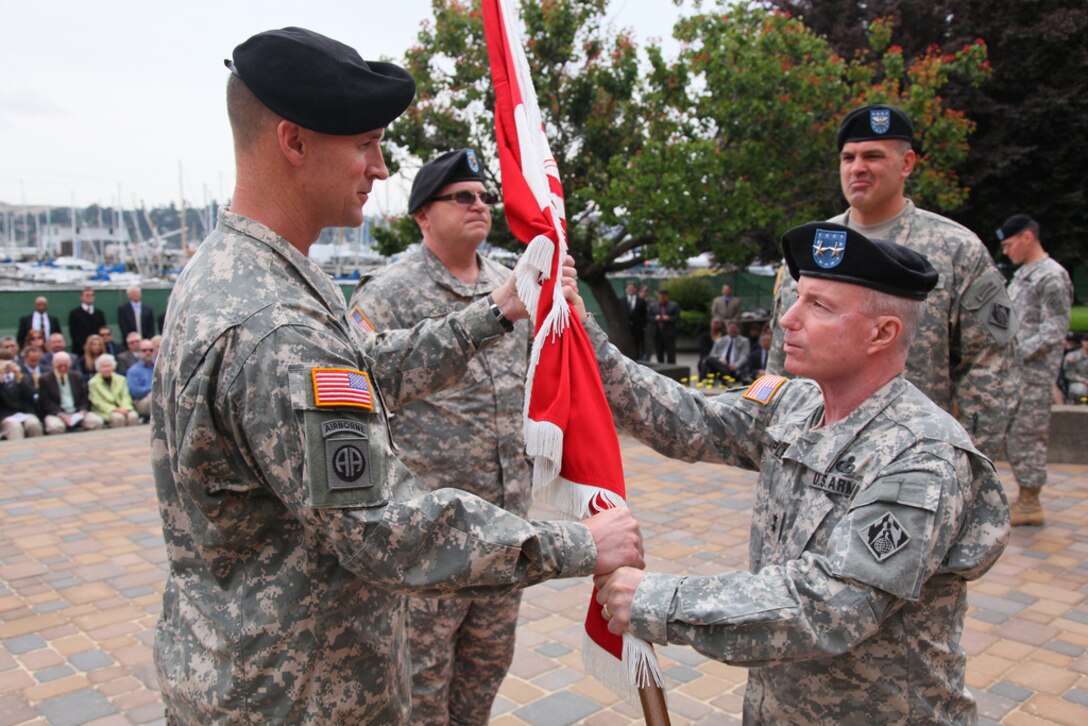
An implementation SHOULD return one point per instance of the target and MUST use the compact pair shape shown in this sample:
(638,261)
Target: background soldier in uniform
(873,511)
(291,529)
(964,354)
(1042,295)
(1076,372)
(468,436)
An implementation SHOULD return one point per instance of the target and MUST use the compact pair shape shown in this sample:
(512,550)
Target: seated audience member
(107,342)
(757,359)
(92,348)
(730,354)
(57,343)
(709,338)
(9,347)
(63,399)
(18,417)
(1076,373)
(156,341)
(139,379)
(33,368)
(36,339)
(128,358)
(108,392)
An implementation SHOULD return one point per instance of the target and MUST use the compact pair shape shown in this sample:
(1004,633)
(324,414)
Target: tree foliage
(719,149)
(1031,112)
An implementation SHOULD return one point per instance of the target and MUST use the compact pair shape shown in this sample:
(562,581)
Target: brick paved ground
(82,566)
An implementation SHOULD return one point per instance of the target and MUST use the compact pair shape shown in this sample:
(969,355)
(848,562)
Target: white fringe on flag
(638,669)
(544,443)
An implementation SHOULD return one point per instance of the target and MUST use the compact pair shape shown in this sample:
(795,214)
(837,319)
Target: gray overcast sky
(101,99)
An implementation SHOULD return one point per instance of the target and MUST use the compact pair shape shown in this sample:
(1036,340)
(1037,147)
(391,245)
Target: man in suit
(664,315)
(726,307)
(33,368)
(729,356)
(757,359)
(636,319)
(63,399)
(40,319)
(128,358)
(107,341)
(84,320)
(135,316)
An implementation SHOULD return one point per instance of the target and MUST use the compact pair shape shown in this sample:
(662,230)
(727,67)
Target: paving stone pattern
(82,567)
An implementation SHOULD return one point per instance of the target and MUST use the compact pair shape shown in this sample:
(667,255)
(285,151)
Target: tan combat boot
(1026,510)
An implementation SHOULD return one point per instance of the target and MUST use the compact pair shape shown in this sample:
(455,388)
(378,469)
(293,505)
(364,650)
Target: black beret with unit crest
(834,252)
(320,83)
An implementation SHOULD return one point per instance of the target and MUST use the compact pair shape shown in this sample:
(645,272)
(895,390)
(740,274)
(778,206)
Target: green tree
(1031,113)
(719,149)
(743,139)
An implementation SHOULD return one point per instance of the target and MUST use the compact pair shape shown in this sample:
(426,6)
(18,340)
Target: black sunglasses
(467,198)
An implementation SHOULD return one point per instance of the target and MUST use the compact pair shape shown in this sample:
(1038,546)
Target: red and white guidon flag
(569,430)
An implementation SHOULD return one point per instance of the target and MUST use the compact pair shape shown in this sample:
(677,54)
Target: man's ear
(909,160)
(291,142)
(887,330)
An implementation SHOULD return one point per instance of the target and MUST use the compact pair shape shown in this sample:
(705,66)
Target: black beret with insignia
(1013,226)
(875,123)
(834,252)
(320,83)
(453,166)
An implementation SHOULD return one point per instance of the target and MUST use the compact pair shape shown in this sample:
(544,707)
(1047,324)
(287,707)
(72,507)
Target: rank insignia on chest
(884,536)
(763,389)
(361,321)
(342,387)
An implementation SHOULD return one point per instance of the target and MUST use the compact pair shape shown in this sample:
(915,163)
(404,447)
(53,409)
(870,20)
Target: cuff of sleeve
(479,324)
(652,605)
(578,554)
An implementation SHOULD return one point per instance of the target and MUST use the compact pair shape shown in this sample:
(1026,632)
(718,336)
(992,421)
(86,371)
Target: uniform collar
(313,275)
(819,449)
(489,278)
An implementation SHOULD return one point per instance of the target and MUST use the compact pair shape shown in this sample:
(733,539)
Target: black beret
(1013,226)
(320,83)
(875,123)
(834,252)
(453,166)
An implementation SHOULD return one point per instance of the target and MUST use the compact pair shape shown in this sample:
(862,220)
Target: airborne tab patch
(884,536)
(361,321)
(347,455)
(342,387)
(763,389)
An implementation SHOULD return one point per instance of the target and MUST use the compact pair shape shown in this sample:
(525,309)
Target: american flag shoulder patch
(763,389)
(342,387)
(362,322)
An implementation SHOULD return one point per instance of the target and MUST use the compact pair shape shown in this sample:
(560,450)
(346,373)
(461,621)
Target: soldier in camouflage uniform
(1076,373)
(873,511)
(292,530)
(963,356)
(1042,295)
(468,436)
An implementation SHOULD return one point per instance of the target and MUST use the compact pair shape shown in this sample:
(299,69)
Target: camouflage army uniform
(963,355)
(1041,295)
(468,436)
(284,602)
(1076,373)
(864,535)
